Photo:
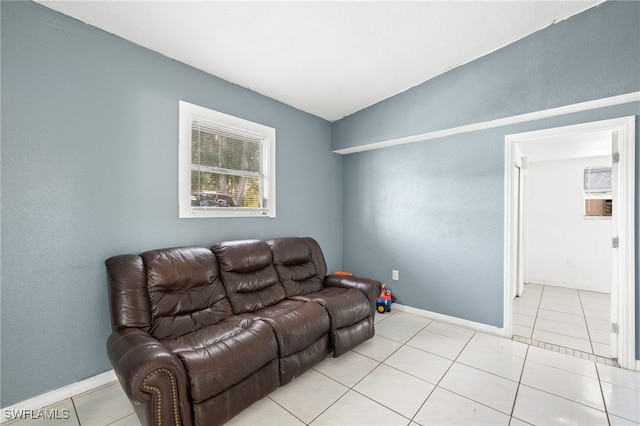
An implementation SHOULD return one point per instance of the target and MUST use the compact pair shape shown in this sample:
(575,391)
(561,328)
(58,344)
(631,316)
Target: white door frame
(624,268)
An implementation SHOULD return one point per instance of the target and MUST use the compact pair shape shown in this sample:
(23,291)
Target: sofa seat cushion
(296,324)
(222,355)
(345,306)
(350,314)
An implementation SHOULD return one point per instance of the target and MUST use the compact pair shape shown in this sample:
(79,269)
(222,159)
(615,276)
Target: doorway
(569,141)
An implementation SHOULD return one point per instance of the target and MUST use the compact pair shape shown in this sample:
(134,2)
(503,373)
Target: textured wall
(431,211)
(89,170)
(434,209)
(589,56)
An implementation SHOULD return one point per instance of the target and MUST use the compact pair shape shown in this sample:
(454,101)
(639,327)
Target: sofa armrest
(151,375)
(370,287)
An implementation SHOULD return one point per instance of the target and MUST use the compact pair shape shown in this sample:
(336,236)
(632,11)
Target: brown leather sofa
(200,334)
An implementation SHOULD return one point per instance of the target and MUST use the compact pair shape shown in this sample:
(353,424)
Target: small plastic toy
(384,300)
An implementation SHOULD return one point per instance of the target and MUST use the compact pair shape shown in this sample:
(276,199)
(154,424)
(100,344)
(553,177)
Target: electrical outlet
(395,275)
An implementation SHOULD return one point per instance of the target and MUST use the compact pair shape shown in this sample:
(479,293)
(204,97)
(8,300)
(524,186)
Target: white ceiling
(328,58)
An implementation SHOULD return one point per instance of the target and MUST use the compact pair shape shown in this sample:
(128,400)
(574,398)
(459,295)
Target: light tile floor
(416,371)
(566,318)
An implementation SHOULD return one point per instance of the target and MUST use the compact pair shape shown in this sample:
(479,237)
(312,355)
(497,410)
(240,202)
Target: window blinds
(229,166)
(597,180)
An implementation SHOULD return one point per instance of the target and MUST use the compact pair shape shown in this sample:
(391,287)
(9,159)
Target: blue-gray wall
(434,209)
(589,56)
(89,170)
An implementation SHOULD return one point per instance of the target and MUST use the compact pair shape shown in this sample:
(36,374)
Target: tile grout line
(533,327)
(437,384)
(535,319)
(515,398)
(382,363)
(604,400)
(561,349)
(454,361)
(442,377)
(568,351)
(584,317)
(75,409)
(352,388)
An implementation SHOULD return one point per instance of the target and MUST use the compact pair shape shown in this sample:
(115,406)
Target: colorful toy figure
(384,300)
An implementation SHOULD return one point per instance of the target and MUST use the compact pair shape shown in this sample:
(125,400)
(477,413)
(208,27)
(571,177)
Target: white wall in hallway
(564,248)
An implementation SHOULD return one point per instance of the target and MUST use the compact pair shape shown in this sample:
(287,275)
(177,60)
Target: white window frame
(592,174)
(187,114)
(601,176)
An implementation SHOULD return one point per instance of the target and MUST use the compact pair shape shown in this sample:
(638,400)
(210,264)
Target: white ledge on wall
(499,122)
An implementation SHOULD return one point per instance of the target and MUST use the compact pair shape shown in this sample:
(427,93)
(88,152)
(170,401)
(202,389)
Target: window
(597,191)
(226,165)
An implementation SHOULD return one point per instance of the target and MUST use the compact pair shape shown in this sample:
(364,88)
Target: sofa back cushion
(300,264)
(185,291)
(248,275)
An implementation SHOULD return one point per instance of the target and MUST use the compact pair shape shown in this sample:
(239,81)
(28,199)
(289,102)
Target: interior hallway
(568,320)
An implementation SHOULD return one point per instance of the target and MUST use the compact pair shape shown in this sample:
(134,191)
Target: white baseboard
(484,328)
(58,395)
